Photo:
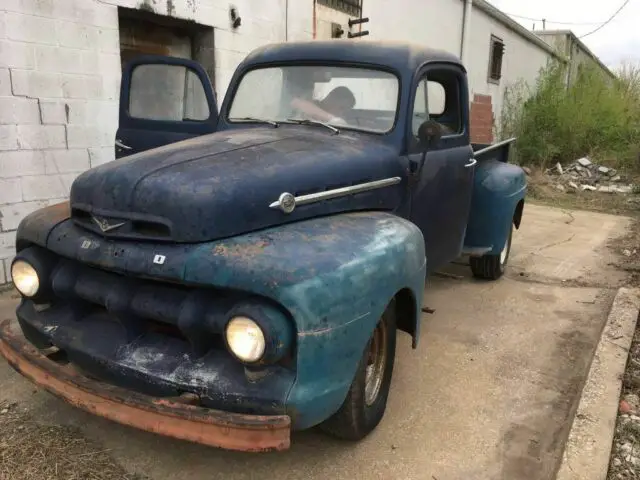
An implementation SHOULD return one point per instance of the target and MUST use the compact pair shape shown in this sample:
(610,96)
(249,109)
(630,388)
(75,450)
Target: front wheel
(491,267)
(366,400)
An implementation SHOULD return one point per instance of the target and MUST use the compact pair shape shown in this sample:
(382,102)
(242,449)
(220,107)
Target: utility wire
(551,21)
(600,24)
(624,4)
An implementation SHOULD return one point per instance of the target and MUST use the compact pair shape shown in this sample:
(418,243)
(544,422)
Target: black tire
(491,267)
(356,419)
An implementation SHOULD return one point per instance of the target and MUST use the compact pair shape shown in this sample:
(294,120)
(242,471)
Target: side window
(438,99)
(496,52)
(182,93)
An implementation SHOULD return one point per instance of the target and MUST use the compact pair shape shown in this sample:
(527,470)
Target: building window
(496,53)
(350,7)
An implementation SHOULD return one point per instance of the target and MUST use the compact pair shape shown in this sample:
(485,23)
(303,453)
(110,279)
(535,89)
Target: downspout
(286,20)
(466,26)
(314,20)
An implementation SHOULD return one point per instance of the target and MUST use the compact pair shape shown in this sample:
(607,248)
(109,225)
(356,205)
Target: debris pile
(585,175)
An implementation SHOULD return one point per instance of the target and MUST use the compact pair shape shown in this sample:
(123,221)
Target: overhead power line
(600,24)
(624,4)
(552,21)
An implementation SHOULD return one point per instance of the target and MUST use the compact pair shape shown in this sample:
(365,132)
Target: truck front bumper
(170,417)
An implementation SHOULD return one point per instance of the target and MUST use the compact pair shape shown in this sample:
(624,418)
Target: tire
(363,409)
(492,267)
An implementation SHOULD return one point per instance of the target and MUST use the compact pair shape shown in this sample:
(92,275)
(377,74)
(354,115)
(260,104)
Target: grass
(30,450)
(595,116)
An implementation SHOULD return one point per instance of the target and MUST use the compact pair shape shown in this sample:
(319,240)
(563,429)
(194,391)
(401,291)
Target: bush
(596,116)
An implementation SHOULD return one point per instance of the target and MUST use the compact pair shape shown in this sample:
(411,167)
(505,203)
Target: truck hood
(223,184)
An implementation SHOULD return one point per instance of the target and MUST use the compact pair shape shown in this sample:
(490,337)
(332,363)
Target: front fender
(498,188)
(336,275)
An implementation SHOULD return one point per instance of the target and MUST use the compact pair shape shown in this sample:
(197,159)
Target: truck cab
(256,263)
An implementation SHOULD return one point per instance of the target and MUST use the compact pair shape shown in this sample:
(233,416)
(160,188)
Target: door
(163,100)
(441,195)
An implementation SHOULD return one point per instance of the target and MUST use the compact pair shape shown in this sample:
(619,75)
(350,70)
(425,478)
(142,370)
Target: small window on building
(496,53)
(350,7)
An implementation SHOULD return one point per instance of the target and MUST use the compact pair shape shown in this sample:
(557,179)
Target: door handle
(472,162)
(122,145)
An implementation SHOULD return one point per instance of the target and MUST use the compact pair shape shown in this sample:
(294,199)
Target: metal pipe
(314,20)
(286,20)
(466,26)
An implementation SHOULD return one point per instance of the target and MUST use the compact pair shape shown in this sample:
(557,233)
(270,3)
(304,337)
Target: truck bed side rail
(498,151)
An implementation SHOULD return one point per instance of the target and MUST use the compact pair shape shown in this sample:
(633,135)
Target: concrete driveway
(489,394)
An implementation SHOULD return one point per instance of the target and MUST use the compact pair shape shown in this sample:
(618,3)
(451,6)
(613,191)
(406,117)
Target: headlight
(25,278)
(245,339)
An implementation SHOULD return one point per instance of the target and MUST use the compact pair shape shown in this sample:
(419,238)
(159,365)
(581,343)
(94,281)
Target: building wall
(522,61)
(60,79)
(575,51)
(438,23)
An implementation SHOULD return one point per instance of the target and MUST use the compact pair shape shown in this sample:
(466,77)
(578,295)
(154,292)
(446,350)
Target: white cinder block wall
(59,80)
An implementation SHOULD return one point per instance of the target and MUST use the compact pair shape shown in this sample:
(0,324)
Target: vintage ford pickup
(230,288)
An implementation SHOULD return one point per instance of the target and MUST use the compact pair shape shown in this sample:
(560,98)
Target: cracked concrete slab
(490,392)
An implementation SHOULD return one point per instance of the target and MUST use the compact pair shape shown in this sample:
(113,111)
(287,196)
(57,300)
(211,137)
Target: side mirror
(429,133)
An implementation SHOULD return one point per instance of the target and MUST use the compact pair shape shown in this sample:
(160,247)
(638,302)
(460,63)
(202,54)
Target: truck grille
(140,305)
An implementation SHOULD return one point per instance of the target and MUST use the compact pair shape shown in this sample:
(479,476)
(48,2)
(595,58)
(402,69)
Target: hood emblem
(287,202)
(104,224)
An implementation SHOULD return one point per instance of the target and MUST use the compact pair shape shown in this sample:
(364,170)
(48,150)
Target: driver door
(441,195)
(163,100)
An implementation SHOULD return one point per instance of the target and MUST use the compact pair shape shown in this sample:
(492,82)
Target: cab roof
(399,56)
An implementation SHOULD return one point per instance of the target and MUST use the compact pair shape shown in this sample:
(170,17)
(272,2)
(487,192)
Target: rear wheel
(366,400)
(491,267)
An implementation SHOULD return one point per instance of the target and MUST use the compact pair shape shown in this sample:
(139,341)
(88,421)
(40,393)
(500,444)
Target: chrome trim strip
(338,192)
(494,146)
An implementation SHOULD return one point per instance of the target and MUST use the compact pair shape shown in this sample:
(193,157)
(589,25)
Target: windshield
(357,98)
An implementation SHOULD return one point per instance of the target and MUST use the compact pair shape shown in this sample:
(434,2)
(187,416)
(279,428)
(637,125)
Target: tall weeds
(594,116)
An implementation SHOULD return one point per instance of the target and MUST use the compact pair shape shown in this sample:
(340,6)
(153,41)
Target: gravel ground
(625,451)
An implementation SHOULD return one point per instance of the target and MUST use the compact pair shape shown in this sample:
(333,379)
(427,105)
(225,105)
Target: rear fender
(497,201)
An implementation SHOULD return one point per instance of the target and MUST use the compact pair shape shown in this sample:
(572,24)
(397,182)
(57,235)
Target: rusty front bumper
(233,431)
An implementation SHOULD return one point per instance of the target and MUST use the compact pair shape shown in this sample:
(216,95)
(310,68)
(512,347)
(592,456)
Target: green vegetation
(596,117)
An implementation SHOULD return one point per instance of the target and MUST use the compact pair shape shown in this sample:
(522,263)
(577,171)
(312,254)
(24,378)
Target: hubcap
(377,360)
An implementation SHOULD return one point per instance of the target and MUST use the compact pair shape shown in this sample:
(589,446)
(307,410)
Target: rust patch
(241,250)
(250,433)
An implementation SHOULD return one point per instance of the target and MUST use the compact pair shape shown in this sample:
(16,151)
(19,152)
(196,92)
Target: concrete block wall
(59,80)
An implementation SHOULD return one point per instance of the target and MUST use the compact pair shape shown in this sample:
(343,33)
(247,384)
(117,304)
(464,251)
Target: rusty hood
(223,184)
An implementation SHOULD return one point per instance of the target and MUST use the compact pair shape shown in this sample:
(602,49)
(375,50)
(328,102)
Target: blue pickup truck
(240,274)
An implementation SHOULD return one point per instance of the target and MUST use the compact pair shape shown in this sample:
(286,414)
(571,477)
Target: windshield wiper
(257,120)
(306,121)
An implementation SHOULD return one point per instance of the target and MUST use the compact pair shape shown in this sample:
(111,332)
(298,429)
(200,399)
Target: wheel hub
(376,363)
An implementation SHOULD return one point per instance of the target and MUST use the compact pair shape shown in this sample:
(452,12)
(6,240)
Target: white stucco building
(60,65)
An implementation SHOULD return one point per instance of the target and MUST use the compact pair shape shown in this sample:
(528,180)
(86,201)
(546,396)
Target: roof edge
(581,44)
(508,22)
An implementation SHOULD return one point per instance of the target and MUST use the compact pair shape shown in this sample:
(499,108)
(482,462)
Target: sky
(615,43)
